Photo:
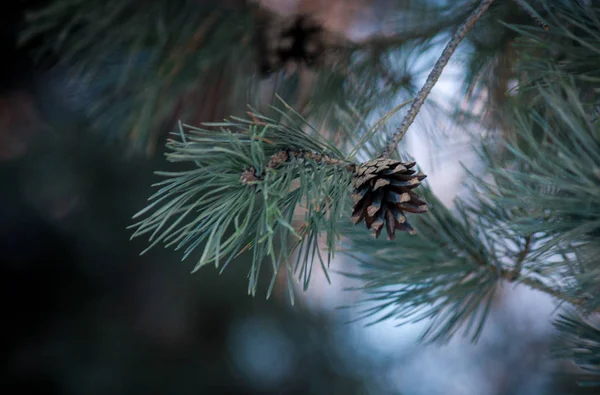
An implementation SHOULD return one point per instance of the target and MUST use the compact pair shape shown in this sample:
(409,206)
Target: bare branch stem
(435,75)
(522,256)
(540,286)
(515,276)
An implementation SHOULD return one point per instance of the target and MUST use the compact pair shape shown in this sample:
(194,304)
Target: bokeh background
(83,313)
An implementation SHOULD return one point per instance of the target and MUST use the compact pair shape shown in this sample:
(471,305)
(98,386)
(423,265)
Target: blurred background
(83,313)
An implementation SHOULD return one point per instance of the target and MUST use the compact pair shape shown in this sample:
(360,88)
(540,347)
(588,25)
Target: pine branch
(458,259)
(248,180)
(252,175)
(435,75)
(521,257)
(544,288)
(514,276)
(448,273)
(579,341)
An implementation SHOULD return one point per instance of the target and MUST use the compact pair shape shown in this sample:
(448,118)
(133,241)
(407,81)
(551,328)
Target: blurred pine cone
(293,40)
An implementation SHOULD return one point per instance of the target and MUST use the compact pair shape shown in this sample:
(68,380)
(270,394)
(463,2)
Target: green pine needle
(207,207)
(579,341)
(445,274)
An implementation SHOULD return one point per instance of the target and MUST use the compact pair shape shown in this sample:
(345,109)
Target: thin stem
(281,157)
(528,10)
(435,75)
(540,286)
(522,255)
(514,276)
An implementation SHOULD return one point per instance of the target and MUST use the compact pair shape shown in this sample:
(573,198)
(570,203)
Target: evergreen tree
(292,172)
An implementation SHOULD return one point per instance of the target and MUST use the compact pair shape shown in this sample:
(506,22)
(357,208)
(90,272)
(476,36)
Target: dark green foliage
(151,64)
(142,58)
(579,341)
(553,178)
(568,49)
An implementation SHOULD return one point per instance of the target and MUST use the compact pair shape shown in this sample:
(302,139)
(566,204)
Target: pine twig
(514,276)
(532,15)
(281,157)
(249,175)
(540,286)
(435,75)
(521,257)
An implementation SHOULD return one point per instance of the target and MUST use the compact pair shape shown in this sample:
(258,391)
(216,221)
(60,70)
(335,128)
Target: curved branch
(435,75)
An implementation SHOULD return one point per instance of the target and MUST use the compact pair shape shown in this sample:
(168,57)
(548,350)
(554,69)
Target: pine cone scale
(411,208)
(412,183)
(382,182)
(397,198)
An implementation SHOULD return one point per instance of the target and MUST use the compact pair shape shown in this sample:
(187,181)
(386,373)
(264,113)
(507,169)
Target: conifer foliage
(292,172)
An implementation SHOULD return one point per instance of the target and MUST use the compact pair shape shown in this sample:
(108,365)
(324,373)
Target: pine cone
(297,40)
(383,191)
